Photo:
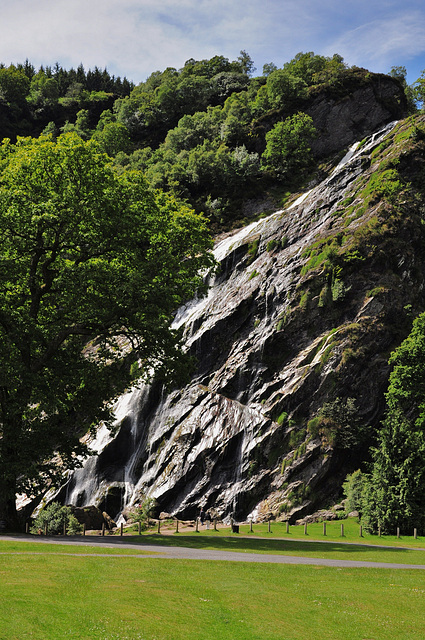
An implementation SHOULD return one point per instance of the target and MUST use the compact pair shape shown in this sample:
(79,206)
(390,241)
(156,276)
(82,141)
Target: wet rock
(273,346)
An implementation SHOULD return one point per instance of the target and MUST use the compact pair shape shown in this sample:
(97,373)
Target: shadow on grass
(255,545)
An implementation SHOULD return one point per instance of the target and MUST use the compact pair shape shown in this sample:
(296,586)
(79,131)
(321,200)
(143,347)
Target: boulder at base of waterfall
(92,517)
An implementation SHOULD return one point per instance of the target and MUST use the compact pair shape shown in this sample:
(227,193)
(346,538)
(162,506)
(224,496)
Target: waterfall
(218,441)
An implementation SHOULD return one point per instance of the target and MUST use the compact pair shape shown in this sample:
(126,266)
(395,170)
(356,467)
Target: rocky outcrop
(302,315)
(367,103)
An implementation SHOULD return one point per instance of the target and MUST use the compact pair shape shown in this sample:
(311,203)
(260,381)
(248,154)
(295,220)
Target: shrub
(53,518)
(143,511)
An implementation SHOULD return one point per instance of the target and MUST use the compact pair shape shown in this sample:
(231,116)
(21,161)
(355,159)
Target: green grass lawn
(53,596)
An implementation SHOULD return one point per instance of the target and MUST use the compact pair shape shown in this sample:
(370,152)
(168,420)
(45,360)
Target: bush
(353,488)
(53,518)
(142,512)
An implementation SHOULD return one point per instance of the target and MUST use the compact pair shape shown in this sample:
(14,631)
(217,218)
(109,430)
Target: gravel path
(187,553)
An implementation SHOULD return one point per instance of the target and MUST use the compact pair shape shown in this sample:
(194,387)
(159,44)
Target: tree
(284,89)
(54,518)
(396,486)
(14,85)
(288,144)
(92,268)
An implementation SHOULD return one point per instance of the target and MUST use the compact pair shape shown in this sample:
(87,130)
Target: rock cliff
(292,343)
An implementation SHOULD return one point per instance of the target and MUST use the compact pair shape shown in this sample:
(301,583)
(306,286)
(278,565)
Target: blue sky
(133,38)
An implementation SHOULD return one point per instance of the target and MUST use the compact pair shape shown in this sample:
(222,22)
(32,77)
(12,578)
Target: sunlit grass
(54,597)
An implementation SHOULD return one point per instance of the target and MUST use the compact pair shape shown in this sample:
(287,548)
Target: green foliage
(396,487)
(282,418)
(93,266)
(284,89)
(252,250)
(14,85)
(288,144)
(338,424)
(142,512)
(54,518)
(354,487)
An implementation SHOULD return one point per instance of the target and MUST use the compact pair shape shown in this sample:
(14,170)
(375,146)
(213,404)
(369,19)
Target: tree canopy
(394,494)
(92,268)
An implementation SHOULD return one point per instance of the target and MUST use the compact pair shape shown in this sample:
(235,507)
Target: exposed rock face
(341,120)
(276,338)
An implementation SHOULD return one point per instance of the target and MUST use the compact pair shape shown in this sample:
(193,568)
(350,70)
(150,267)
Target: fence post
(269,527)
(196,525)
(342,530)
(64,528)
(250,525)
(159,526)
(379,531)
(140,527)
(103,528)
(398,532)
(84,528)
(305,528)
(415,533)
(324,528)
(27,527)
(121,528)
(215,524)
(361,531)
(287,526)
(45,529)
(177,526)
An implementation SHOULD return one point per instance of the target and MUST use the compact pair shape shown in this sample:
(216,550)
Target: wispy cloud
(136,37)
(380,42)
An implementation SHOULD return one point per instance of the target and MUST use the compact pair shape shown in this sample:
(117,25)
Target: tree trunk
(8,514)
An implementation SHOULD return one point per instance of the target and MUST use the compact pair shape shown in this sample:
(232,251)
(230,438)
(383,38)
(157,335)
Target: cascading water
(216,443)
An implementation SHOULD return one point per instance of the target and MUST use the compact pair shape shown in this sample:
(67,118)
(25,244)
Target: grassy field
(51,596)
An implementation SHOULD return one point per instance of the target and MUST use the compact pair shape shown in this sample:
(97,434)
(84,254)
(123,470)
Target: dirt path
(187,553)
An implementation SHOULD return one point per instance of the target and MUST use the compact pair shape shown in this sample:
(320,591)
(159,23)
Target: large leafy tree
(395,490)
(288,145)
(92,267)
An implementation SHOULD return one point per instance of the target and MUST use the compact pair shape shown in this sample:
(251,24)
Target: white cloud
(384,41)
(137,37)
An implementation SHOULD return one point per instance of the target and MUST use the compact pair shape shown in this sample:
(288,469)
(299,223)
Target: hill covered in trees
(212,133)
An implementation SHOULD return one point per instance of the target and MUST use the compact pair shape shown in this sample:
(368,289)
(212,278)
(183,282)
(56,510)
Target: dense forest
(212,133)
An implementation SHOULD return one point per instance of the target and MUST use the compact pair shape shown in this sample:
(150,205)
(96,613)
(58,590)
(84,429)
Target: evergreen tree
(395,493)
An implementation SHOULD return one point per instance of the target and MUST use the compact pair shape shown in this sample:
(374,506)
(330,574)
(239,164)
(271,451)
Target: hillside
(292,344)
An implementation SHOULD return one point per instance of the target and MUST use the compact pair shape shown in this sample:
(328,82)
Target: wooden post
(287,526)
(215,524)
(305,528)
(177,526)
(250,525)
(342,530)
(415,533)
(159,526)
(64,528)
(324,528)
(84,528)
(196,526)
(398,532)
(361,531)
(269,529)
(45,529)
(139,528)
(379,531)
(103,528)
(27,527)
